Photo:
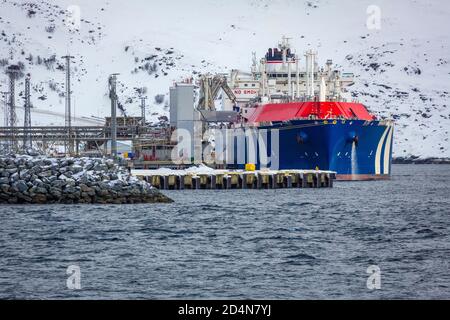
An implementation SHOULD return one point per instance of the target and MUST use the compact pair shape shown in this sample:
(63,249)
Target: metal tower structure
(113,96)
(143,109)
(284,46)
(68,123)
(6,117)
(27,139)
(12,71)
(5,107)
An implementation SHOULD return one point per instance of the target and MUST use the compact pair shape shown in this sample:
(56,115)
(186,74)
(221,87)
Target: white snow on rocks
(26,179)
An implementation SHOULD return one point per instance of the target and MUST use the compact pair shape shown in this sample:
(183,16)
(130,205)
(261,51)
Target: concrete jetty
(235,179)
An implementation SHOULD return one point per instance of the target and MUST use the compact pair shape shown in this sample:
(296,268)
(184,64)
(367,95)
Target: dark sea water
(257,244)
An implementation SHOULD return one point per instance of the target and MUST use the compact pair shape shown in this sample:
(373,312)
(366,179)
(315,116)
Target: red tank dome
(304,110)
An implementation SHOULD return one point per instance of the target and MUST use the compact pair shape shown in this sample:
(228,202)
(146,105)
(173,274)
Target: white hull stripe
(387,152)
(378,154)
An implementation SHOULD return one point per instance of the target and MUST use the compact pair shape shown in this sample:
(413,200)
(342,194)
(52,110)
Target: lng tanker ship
(316,127)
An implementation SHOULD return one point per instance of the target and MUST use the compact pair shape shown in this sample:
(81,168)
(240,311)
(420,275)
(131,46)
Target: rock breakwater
(42,180)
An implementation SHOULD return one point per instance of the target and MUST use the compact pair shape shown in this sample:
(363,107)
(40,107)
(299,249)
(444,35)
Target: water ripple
(253,244)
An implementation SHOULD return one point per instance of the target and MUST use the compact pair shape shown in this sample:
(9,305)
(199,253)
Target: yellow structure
(250,167)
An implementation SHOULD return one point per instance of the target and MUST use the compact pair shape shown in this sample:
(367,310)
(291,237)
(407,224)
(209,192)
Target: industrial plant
(281,115)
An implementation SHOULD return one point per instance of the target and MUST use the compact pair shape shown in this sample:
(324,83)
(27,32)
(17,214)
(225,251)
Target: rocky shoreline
(42,180)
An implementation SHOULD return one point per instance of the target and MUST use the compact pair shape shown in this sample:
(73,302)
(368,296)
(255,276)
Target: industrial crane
(209,90)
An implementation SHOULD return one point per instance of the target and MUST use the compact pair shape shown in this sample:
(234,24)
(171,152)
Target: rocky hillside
(402,67)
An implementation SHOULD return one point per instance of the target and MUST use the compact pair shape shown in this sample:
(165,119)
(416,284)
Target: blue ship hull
(354,149)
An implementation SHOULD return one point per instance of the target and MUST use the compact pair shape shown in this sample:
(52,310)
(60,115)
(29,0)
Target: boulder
(21,186)
(4,188)
(40,199)
(14,177)
(76,168)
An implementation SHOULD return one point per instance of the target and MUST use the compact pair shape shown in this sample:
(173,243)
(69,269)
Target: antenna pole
(114,98)
(68,114)
(143,109)
(27,142)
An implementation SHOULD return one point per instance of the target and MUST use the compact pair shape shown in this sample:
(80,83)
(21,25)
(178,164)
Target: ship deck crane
(209,90)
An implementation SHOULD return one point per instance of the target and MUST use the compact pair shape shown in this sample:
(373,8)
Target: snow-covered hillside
(403,68)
